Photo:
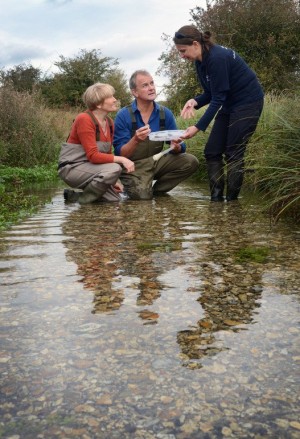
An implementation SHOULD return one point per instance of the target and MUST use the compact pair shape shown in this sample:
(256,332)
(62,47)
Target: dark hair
(187,34)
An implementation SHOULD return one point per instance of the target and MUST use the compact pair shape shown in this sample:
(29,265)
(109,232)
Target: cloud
(58,2)
(38,31)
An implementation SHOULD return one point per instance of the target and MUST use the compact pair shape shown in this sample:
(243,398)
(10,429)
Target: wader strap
(162,119)
(97,126)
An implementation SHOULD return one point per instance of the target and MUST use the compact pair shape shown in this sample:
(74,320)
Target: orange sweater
(83,132)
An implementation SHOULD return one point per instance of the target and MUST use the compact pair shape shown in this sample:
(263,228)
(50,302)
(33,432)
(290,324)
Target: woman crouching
(86,161)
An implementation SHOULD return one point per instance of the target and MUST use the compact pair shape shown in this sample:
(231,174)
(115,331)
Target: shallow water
(139,320)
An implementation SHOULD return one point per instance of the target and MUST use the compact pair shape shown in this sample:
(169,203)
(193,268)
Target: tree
(76,74)
(23,77)
(118,80)
(265,33)
(181,74)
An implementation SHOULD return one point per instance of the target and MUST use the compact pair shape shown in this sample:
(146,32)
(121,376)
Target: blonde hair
(95,94)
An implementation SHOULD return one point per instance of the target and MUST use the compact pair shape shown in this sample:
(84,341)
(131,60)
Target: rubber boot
(92,192)
(71,196)
(235,177)
(215,172)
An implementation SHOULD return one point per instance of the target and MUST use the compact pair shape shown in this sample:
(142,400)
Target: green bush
(27,136)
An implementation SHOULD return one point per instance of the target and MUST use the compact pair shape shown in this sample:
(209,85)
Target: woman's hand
(190,132)
(128,164)
(188,110)
(118,186)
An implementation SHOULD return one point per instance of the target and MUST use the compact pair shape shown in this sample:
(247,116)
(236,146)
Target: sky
(37,32)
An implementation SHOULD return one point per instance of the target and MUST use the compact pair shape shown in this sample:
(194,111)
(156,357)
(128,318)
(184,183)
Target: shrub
(27,135)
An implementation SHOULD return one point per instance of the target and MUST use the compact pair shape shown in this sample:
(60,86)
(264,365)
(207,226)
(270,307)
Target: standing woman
(86,161)
(234,97)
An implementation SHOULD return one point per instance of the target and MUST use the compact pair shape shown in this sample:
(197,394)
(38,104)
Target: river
(175,318)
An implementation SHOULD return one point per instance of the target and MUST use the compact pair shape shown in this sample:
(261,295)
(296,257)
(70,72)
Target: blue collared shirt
(123,124)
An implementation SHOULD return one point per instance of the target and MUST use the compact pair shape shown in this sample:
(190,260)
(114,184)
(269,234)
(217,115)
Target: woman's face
(191,53)
(110,104)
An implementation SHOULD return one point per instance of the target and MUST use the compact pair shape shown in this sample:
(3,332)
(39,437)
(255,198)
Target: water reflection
(129,249)
(125,245)
(166,290)
(230,290)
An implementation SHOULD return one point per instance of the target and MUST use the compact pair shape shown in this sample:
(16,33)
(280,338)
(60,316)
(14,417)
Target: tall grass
(28,136)
(274,152)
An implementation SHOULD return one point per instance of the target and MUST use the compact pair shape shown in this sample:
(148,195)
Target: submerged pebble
(139,321)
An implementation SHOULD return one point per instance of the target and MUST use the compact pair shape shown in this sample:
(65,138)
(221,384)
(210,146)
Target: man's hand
(142,133)
(176,146)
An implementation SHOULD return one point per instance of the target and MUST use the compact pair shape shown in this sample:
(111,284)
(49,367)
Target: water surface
(150,320)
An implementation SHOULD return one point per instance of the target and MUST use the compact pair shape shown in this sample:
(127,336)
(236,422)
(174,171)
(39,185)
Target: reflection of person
(132,127)
(234,96)
(86,160)
(131,258)
(230,290)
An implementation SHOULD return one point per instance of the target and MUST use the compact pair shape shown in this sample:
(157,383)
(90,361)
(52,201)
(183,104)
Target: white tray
(166,135)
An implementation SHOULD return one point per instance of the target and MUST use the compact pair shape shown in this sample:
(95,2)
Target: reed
(274,153)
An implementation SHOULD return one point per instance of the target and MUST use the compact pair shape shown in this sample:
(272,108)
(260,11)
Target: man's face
(145,88)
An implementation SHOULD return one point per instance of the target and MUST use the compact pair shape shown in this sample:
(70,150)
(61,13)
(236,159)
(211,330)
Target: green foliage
(274,151)
(27,137)
(36,174)
(196,144)
(15,204)
(265,33)
(23,77)
(76,74)
(252,254)
(118,80)
(182,81)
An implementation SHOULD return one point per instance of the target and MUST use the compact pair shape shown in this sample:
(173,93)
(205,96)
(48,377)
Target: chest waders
(77,171)
(138,184)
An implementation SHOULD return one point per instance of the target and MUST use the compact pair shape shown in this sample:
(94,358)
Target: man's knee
(139,193)
(194,162)
(190,163)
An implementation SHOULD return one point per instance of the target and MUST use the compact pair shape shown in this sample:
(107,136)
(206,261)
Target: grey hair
(132,80)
